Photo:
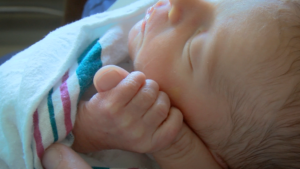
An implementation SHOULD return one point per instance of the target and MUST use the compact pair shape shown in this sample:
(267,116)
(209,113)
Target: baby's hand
(128,112)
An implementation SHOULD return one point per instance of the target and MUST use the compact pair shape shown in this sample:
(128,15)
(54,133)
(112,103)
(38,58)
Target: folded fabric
(41,86)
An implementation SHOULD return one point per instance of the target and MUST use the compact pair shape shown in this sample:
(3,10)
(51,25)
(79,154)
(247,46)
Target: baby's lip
(152,8)
(158,4)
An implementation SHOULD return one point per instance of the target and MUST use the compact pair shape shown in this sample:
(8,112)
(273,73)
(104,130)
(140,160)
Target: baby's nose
(194,11)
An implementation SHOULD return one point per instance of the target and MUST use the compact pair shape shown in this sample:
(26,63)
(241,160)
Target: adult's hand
(59,156)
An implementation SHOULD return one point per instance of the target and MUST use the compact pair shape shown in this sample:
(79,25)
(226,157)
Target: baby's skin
(129,112)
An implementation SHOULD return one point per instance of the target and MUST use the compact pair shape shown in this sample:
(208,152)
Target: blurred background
(24,22)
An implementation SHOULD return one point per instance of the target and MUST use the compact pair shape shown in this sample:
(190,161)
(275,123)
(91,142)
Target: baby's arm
(128,113)
(186,151)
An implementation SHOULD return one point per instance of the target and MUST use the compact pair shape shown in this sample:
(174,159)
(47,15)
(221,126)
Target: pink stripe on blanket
(65,98)
(37,135)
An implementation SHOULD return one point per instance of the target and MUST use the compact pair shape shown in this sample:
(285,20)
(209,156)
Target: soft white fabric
(26,79)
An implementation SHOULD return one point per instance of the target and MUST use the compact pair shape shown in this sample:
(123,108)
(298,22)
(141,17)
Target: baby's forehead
(289,22)
(287,10)
(249,44)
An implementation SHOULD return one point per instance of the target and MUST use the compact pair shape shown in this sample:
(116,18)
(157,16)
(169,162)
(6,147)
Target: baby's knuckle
(164,97)
(152,84)
(111,109)
(107,106)
(148,95)
(135,79)
(137,134)
(131,84)
(162,110)
(138,76)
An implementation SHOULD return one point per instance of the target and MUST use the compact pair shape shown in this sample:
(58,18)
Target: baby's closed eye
(194,46)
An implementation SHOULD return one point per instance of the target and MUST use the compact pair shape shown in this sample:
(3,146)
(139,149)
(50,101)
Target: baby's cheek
(134,39)
(175,92)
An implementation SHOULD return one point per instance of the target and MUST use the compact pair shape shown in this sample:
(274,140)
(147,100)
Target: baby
(229,66)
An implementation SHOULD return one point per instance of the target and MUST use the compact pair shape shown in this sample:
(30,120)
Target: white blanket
(41,86)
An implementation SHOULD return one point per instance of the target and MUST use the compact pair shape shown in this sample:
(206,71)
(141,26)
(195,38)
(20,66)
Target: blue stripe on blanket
(89,63)
(92,7)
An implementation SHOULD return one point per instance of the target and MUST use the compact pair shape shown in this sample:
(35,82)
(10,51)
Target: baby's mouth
(150,11)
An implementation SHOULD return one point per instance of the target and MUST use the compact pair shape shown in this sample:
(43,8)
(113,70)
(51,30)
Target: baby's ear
(109,77)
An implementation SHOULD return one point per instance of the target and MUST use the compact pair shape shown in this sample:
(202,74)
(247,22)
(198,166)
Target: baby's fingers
(116,85)
(128,88)
(168,131)
(144,99)
(159,111)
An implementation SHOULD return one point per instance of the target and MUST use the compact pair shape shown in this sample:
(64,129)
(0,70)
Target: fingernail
(108,80)
(52,158)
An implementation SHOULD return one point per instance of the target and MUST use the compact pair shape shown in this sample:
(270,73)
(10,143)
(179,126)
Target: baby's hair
(294,52)
(269,142)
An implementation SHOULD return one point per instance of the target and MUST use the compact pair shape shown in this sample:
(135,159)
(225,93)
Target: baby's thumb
(109,77)
(59,156)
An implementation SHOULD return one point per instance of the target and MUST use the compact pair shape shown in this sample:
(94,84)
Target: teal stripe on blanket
(89,64)
(52,116)
(85,52)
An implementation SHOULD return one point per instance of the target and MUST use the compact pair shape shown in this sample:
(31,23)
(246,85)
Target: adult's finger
(59,156)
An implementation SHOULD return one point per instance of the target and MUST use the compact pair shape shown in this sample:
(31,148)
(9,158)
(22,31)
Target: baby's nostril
(174,15)
(150,10)
(158,4)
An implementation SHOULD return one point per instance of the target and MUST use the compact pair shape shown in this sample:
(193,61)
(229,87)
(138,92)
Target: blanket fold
(41,86)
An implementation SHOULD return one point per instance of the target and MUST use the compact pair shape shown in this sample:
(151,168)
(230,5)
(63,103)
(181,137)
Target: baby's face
(203,51)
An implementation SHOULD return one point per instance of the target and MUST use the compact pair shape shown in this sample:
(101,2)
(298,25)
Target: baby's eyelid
(189,53)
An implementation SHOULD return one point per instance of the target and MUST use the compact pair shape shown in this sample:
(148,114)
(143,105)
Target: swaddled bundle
(41,86)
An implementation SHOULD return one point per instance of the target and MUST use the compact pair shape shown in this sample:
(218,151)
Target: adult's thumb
(59,156)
